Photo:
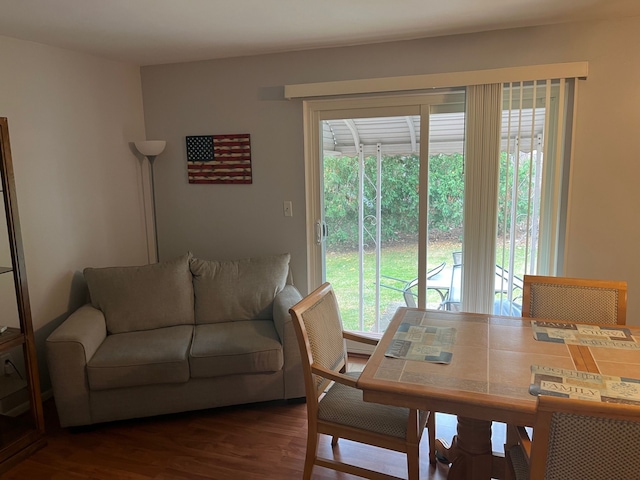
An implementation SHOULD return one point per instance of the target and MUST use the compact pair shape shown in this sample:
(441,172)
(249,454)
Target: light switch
(288,209)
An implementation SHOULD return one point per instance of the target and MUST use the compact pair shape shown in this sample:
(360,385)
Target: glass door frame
(315,111)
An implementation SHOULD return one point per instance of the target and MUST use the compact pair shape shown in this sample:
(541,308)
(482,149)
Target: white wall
(245,95)
(71,118)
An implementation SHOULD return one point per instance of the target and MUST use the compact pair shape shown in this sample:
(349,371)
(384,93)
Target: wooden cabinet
(21,416)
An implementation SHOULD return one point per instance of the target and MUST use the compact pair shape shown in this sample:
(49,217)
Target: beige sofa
(180,335)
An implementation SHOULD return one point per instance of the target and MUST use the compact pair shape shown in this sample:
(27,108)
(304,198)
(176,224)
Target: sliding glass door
(381,233)
(371,211)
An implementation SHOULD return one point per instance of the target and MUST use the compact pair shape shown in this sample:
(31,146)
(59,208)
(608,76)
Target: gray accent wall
(245,95)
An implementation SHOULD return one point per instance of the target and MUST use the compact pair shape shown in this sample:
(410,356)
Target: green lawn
(398,261)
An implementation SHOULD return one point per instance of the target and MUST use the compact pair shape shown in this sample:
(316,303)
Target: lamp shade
(151,148)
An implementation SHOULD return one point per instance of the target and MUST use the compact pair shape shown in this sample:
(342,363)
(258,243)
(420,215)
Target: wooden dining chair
(575,299)
(334,403)
(579,439)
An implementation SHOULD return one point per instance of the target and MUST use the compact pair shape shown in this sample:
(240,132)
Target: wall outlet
(6,363)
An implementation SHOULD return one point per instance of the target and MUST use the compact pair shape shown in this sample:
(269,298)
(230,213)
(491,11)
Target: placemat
(417,342)
(586,335)
(561,382)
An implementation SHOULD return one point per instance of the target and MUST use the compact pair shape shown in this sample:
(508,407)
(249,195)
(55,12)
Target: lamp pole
(151,159)
(151,149)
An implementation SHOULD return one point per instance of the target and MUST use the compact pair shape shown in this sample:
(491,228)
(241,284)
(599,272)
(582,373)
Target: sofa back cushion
(238,289)
(143,298)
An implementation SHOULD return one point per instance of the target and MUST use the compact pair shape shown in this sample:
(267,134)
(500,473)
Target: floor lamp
(151,149)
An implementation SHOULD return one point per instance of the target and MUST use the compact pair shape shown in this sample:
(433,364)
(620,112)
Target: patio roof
(401,135)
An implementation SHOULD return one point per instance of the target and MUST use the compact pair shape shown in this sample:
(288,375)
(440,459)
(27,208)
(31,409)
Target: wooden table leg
(470,452)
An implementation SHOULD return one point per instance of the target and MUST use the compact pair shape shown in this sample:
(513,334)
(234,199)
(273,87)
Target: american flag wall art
(219,158)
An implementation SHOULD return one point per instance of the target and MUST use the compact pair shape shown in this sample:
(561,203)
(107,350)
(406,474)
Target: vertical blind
(519,132)
(484,113)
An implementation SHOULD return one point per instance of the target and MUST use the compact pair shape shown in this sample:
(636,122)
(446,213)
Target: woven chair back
(575,300)
(589,442)
(322,324)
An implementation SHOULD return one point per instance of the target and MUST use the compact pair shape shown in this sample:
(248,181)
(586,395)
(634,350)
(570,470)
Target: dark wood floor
(247,442)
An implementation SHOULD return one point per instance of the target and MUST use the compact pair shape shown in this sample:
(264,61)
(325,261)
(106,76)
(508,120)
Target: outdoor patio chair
(334,403)
(452,302)
(409,290)
(501,306)
(408,287)
(575,299)
(578,439)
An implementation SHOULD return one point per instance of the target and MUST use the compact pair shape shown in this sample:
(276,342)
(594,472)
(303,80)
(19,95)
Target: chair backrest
(318,326)
(504,277)
(575,299)
(502,304)
(455,288)
(408,293)
(508,300)
(585,439)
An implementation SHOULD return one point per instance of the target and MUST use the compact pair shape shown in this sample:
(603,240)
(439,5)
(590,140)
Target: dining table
(479,367)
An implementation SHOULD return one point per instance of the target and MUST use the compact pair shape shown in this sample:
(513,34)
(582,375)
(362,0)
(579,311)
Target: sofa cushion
(231,348)
(237,290)
(143,298)
(141,358)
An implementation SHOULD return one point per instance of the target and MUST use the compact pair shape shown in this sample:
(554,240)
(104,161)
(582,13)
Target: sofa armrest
(284,300)
(293,378)
(68,349)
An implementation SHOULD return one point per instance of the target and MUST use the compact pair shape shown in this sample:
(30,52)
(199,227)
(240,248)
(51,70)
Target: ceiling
(148,32)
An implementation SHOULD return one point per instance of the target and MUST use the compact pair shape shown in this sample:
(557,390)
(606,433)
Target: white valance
(437,80)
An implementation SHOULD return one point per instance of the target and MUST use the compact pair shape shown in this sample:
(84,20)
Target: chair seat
(344,405)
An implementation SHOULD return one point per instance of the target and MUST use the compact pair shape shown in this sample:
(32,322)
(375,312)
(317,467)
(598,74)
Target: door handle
(321,231)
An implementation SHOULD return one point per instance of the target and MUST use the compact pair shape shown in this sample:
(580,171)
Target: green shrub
(400,195)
